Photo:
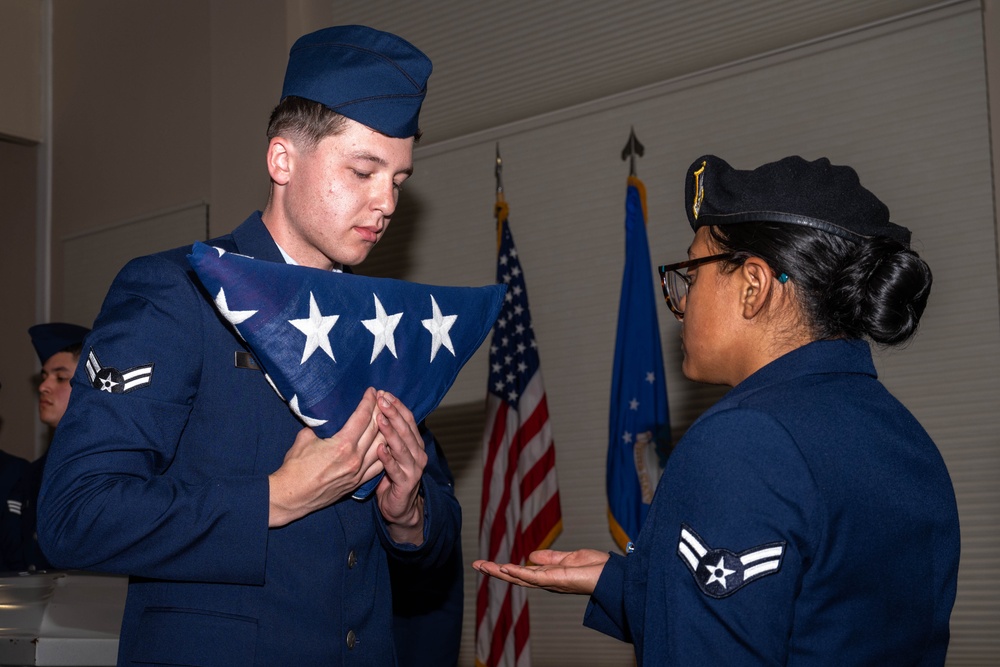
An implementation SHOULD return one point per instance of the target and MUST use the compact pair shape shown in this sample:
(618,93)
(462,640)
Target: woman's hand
(557,571)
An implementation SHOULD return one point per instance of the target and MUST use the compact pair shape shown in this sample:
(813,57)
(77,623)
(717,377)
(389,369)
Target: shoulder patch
(720,572)
(113,381)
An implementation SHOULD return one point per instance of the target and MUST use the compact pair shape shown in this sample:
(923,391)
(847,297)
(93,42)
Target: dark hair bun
(892,284)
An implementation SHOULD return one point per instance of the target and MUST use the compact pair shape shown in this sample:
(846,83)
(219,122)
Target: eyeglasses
(676,284)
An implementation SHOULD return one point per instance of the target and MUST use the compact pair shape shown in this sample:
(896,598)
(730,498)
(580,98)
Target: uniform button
(352,559)
(352,639)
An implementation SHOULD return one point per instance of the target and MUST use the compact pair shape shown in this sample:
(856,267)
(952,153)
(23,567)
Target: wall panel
(903,101)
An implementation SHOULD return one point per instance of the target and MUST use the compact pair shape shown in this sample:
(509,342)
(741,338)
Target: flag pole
(500,207)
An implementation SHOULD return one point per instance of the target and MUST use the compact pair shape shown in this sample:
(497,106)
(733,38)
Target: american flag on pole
(520,509)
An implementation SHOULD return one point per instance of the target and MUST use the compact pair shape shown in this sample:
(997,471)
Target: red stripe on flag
(499,527)
(534,477)
(501,630)
(539,534)
(522,629)
(534,423)
(499,419)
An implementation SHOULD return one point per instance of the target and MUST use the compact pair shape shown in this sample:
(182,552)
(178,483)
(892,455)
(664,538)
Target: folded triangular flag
(324,337)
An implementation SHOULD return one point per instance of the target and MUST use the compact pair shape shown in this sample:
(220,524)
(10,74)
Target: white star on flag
(308,421)
(439,325)
(316,327)
(382,327)
(234,316)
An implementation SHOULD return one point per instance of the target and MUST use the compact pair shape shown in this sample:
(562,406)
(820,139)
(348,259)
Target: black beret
(55,337)
(370,76)
(792,190)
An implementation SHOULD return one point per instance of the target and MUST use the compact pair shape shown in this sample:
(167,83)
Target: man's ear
(279,158)
(756,282)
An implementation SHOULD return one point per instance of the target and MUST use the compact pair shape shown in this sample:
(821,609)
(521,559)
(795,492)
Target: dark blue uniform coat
(11,469)
(21,550)
(167,482)
(805,519)
(427,603)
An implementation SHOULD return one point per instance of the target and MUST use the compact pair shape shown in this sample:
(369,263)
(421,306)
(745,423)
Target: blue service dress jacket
(11,470)
(427,603)
(21,549)
(159,470)
(805,519)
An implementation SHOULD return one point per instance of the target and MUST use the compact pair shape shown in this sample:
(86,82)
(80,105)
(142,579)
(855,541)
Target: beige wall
(21,44)
(177,114)
(248,53)
(155,106)
(18,410)
(131,106)
(991,39)
(21,127)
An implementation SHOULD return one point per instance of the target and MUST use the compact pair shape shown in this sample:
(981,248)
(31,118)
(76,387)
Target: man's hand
(556,571)
(317,472)
(403,457)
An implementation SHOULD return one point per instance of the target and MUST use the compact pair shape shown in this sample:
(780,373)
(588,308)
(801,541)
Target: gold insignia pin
(699,190)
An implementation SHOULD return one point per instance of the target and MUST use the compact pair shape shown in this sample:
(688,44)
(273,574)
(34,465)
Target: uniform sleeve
(606,609)
(427,599)
(719,562)
(442,513)
(12,469)
(108,500)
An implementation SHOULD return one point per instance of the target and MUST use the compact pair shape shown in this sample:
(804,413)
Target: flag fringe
(617,532)
(634,182)
(549,539)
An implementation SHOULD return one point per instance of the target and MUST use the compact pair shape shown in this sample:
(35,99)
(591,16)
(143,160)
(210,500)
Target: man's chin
(48,419)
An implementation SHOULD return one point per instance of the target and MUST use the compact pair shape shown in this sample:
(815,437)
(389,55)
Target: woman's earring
(783,278)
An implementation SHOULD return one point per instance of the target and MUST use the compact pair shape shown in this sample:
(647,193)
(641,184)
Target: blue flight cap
(55,337)
(370,76)
(792,190)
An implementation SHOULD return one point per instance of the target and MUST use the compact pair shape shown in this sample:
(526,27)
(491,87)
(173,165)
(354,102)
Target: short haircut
(76,350)
(306,122)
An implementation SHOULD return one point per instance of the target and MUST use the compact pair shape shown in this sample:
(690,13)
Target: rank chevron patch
(114,381)
(720,572)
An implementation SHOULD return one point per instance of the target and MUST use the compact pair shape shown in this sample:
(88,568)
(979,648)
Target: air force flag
(324,337)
